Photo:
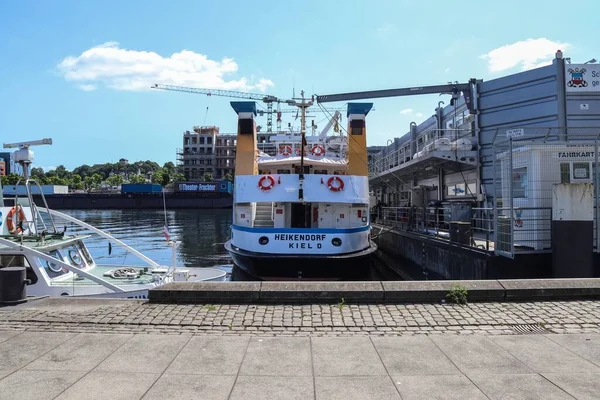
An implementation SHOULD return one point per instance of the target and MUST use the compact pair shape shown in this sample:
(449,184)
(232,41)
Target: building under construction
(206,150)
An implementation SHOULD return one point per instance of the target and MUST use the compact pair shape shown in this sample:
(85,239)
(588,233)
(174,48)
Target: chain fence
(460,224)
(528,162)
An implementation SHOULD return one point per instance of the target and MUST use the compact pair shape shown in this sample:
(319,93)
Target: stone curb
(373,292)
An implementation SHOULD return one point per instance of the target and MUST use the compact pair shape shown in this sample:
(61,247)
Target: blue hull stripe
(298,230)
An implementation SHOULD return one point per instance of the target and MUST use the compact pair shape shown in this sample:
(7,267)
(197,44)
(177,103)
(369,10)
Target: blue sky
(78,71)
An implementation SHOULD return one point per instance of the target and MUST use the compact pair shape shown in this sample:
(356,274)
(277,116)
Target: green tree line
(87,177)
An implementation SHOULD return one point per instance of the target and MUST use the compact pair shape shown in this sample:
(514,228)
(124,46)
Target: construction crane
(265,98)
(453,89)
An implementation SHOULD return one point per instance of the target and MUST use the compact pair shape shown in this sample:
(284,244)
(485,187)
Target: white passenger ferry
(303,213)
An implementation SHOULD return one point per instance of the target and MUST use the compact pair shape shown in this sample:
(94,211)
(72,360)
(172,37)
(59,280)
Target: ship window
(85,252)
(283,171)
(54,270)
(74,257)
(357,126)
(246,126)
(519,182)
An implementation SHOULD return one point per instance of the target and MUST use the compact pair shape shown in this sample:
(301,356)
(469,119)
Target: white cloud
(411,112)
(527,54)
(87,87)
(447,70)
(386,28)
(123,69)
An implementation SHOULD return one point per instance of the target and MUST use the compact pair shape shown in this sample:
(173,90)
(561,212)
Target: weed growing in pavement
(457,295)
(341,304)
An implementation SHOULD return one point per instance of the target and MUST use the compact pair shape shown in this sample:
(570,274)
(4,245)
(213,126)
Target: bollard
(13,285)
(460,232)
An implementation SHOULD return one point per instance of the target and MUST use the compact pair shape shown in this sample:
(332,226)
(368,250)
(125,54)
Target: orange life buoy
(10,220)
(270,182)
(318,150)
(335,184)
(285,150)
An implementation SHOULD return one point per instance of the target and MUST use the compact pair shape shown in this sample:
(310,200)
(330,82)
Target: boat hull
(352,266)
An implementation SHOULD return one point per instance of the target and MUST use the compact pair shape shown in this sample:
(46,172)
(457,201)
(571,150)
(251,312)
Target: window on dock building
(581,171)
(519,182)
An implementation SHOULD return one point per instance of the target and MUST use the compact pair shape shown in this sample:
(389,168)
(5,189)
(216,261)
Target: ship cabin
(317,186)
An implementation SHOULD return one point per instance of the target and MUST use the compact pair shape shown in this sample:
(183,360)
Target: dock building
(490,159)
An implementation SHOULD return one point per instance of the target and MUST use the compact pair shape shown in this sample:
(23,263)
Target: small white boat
(59,264)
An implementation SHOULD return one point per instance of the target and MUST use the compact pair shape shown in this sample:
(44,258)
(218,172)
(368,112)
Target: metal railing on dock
(471,227)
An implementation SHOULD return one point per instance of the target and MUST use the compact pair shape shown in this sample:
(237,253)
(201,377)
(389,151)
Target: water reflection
(201,233)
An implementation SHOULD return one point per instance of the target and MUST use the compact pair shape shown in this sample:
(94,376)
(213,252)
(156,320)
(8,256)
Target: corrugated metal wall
(526,99)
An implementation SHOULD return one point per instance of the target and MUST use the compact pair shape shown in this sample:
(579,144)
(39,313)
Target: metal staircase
(264,215)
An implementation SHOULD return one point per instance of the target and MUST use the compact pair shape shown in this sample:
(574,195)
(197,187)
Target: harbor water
(201,235)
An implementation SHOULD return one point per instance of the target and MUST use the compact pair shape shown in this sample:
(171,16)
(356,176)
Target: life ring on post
(335,184)
(14,228)
(285,150)
(318,150)
(266,183)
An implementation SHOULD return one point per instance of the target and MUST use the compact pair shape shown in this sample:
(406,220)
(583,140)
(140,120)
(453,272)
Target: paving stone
(39,385)
(83,352)
(518,386)
(177,386)
(543,355)
(413,356)
(133,355)
(210,355)
(479,354)
(22,349)
(348,356)
(110,385)
(5,335)
(273,388)
(584,345)
(276,356)
(442,387)
(355,388)
(582,386)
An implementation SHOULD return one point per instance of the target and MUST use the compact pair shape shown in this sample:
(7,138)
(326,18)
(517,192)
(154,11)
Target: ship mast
(303,105)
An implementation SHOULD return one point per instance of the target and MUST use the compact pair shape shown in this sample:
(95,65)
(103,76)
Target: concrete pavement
(65,365)
(69,348)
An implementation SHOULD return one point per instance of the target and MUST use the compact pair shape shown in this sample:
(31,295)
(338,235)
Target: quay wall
(174,201)
(417,255)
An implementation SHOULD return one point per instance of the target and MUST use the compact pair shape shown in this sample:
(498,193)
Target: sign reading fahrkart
(582,78)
